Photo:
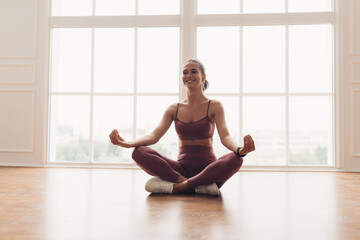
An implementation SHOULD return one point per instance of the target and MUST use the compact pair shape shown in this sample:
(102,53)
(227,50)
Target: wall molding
(32,147)
(352,72)
(33,75)
(354,123)
(33,55)
(30,89)
(352,27)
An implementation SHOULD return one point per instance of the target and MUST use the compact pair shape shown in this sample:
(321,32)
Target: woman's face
(192,77)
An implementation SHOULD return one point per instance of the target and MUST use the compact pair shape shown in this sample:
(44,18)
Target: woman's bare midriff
(203,142)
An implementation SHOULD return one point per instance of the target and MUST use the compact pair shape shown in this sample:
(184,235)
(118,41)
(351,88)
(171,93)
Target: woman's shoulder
(172,107)
(170,111)
(215,103)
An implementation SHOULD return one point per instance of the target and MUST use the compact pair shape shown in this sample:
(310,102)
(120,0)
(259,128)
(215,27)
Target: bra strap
(177,109)
(207,113)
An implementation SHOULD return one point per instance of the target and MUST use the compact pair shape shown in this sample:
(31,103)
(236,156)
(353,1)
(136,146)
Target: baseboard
(94,166)
(20,165)
(290,169)
(356,170)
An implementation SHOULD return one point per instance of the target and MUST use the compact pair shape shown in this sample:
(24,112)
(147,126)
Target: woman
(197,167)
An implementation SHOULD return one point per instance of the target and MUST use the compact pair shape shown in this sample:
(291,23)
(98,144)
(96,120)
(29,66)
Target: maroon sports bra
(201,129)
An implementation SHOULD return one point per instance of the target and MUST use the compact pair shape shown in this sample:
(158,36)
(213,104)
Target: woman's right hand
(117,140)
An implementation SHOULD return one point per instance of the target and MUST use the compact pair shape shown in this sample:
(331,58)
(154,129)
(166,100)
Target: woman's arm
(226,139)
(150,138)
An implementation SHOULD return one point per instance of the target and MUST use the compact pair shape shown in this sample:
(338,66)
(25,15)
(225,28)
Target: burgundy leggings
(196,163)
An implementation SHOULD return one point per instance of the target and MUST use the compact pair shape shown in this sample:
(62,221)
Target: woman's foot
(211,189)
(180,187)
(157,185)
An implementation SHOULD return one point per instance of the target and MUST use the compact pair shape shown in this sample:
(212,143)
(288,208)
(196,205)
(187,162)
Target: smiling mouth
(189,81)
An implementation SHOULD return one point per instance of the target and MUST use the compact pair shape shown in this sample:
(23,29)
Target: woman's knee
(139,153)
(234,161)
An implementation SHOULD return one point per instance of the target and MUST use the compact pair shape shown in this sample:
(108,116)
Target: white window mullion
(91,137)
(241,89)
(94,7)
(287,133)
(136,7)
(135,79)
(262,19)
(111,94)
(188,30)
(115,21)
(262,94)
(334,124)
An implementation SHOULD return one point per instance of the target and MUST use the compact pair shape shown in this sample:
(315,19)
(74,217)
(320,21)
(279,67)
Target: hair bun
(206,85)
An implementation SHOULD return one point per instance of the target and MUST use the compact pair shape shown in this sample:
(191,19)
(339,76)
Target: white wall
(350,85)
(24,43)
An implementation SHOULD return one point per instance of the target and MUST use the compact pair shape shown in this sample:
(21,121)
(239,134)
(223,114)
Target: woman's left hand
(248,146)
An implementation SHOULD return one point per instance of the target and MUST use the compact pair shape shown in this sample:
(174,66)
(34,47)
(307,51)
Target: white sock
(157,185)
(211,189)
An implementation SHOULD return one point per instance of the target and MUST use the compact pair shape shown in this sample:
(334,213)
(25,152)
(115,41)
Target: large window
(116,64)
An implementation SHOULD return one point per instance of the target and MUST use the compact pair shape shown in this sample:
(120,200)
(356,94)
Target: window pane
(310,132)
(112,112)
(310,5)
(158,60)
(264,59)
(264,120)
(150,111)
(69,128)
(159,7)
(71,60)
(263,6)
(218,7)
(218,49)
(114,60)
(310,58)
(115,7)
(231,108)
(71,7)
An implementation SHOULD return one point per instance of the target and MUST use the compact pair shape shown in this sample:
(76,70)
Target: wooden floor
(101,204)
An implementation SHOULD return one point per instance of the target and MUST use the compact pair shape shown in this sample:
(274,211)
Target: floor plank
(66,203)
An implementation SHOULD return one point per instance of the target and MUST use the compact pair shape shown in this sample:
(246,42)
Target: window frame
(188,20)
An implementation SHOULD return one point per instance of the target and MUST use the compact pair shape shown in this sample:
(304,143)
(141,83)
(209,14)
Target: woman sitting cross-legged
(197,168)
